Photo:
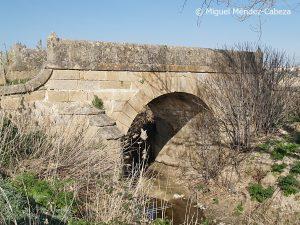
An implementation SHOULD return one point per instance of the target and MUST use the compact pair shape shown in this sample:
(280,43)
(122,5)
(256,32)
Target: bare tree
(252,94)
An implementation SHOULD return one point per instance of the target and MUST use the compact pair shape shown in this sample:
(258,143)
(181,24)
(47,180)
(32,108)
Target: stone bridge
(126,77)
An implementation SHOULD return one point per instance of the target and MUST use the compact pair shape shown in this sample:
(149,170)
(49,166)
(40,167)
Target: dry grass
(102,194)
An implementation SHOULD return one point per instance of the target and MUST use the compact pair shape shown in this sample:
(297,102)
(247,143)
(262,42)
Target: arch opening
(156,124)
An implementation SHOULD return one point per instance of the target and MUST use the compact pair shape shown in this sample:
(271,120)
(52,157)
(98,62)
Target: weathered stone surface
(78,96)
(62,85)
(101,120)
(93,75)
(29,86)
(58,96)
(11,103)
(76,109)
(35,96)
(85,55)
(109,133)
(65,75)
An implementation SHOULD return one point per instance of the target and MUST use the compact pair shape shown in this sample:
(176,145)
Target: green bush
(289,185)
(13,204)
(278,167)
(280,148)
(49,195)
(259,193)
(97,102)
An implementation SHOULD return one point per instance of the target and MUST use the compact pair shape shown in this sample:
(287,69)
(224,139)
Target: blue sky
(140,21)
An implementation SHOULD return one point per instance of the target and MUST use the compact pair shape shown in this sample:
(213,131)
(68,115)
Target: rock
(109,133)
(177,196)
(101,120)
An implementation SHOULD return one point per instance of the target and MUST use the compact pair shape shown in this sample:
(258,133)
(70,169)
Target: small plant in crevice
(98,103)
(16,81)
(278,167)
(259,193)
(289,185)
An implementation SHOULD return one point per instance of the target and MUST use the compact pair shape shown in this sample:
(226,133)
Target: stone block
(65,75)
(62,85)
(35,96)
(102,94)
(117,106)
(123,94)
(115,85)
(129,111)
(89,85)
(11,103)
(122,118)
(58,96)
(93,75)
(78,96)
(101,120)
(109,133)
(122,76)
(123,128)
(73,108)
(107,106)
(139,101)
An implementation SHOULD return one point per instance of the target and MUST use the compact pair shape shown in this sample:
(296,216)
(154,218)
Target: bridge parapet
(106,56)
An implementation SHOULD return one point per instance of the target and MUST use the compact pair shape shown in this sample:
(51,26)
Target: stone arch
(163,119)
(153,85)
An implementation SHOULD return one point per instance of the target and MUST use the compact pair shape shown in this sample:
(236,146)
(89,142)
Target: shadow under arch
(161,119)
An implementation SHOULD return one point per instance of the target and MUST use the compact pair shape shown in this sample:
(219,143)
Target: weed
(161,222)
(295,169)
(259,193)
(278,167)
(289,185)
(202,188)
(280,148)
(16,81)
(239,209)
(97,102)
(48,195)
(216,201)
(207,221)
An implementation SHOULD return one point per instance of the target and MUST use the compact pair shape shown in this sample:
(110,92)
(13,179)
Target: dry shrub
(252,94)
(102,194)
(208,157)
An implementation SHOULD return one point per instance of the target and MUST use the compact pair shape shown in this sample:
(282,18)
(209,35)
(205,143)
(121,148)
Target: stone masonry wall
(125,76)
